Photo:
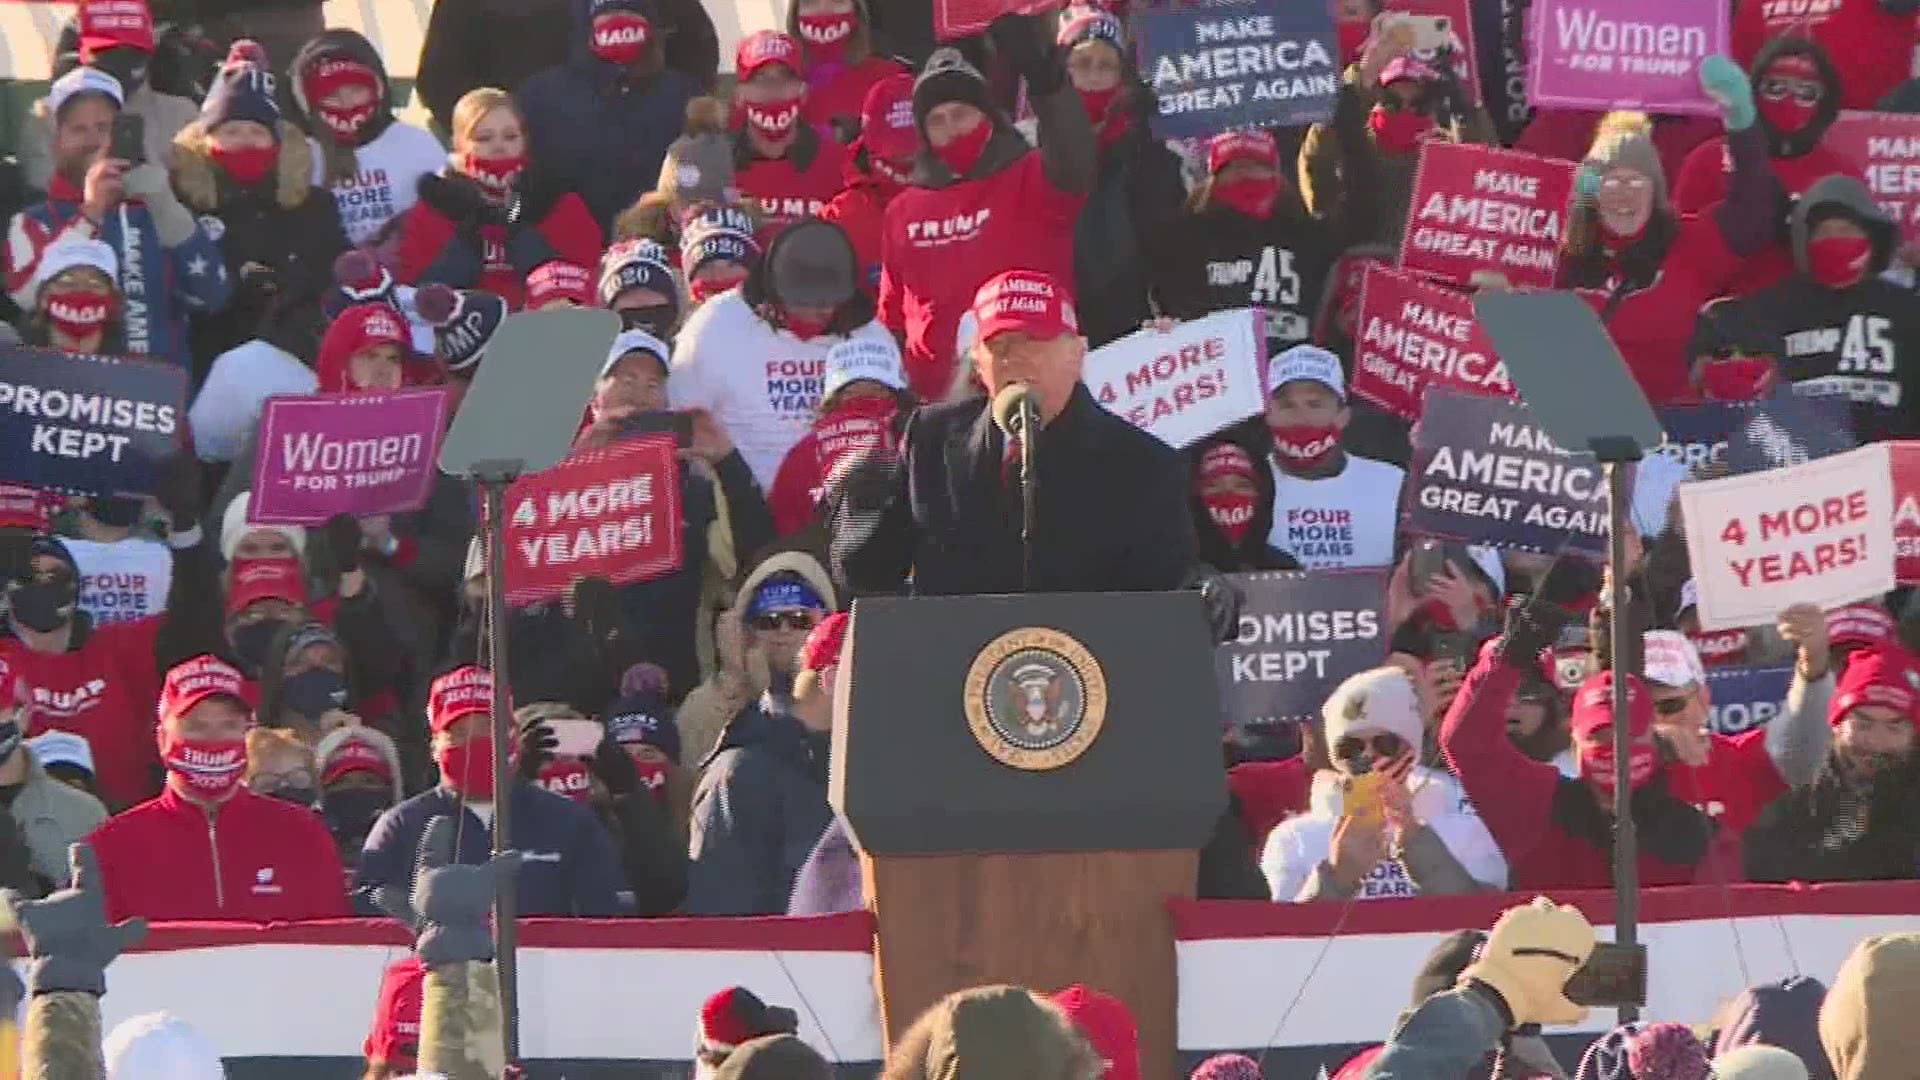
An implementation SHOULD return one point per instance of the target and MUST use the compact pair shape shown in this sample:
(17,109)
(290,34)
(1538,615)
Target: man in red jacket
(780,163)
(1557,832)
(207,848)
(982,201)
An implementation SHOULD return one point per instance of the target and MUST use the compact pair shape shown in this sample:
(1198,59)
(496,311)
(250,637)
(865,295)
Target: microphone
(1015,407)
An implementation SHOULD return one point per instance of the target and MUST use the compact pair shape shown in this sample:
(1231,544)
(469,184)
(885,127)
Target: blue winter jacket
(758,812)
(568,865)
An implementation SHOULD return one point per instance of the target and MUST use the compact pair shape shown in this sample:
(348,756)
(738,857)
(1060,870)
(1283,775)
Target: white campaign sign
(1819,533)
(1187,383)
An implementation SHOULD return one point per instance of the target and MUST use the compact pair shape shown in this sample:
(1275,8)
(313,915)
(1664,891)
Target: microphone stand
(1029,430)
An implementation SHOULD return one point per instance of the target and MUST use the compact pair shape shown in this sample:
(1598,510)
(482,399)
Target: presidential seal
(1035,698)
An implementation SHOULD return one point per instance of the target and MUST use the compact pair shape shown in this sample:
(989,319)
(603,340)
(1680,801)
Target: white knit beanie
(1758,1062)
(160,1046)
(234,528)
(1382,699)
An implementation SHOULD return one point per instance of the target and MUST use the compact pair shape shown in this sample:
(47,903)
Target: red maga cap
(1883,677)
(1593,706)
(1230,146)
(886,118)
(109,24)
(193,681)
(757,50)
(253,580)
(463,692)
(1024,300)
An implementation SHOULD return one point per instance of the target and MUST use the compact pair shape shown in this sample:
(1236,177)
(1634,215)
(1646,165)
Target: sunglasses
(1383,745)
(1806,93)
(786,620)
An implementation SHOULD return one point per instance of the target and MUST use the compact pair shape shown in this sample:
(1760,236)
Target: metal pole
(504,931)
(1626,881)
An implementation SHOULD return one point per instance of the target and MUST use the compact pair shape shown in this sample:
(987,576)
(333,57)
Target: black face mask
(313,692)
(128,65)
(657,320)
(351,812)
(251,642)
(42,606)
(114,512)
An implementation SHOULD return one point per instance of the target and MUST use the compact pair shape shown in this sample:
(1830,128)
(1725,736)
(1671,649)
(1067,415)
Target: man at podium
(1109,501)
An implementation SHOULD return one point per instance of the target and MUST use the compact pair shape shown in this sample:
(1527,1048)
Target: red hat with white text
(191,682)
(1024,300)
(465,691)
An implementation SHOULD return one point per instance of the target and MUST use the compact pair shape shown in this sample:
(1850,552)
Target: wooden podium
(1029,779)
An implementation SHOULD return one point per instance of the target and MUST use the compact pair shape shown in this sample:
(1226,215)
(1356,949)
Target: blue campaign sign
(1241,64)
(1744,698)
(1301,634)
(1485,472)
(84,423)
(1697,434)
(1790,429)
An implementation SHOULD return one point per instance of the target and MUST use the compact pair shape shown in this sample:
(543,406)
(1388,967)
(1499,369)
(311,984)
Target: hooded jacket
(1552,831)
(286,225)
(1862,342)
(1784,1013)
(1254,552)
(1866,1021)
(944,235)
(375,180)
(252,859)
(1213,258)
(601,132)
(1798,159)
(454,236)
(1873,38)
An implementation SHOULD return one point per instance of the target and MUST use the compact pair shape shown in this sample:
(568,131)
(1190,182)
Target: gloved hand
(1530,954)
(448,907)
(1222,600)
(1027,43)
(1729,87)
(151,185)
(596,609)
(1586,182)
(178,491)
(1532,628)
(535,745)
(614,766)
(67,934)
(343,542)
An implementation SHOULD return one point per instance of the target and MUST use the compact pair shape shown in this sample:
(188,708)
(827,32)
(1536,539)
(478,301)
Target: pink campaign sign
(357,454)
(1624,54)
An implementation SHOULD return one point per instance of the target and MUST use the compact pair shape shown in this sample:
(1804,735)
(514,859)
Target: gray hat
(812,264)
(1623,142)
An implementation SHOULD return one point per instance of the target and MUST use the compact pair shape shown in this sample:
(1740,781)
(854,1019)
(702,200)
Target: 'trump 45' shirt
(1861,343)
(762,384)
(1343,521)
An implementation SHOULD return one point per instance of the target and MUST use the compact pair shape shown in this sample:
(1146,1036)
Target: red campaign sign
(1906,511)
(962,18)
(1444,27)
(1886,149)
(1483,208)
(1413,335)
(611,513)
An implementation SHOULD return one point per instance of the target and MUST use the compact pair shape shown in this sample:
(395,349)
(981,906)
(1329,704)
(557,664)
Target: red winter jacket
(1703,182)
(1737,782)
(255,859)
(842,94)
(791,188)
(1526,803)
(1872,46)
(861,210)
(944,238)
(432,248)
(104,691)
(858,424)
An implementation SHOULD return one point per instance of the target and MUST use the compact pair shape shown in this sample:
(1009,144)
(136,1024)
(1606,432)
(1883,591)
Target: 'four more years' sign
(1624,54)
(89,424)
(1186,383)
(611,513)
(1301,634)
(355,454)
(1414,335)
(1238,64)
(1485,473)
(1478,208)
(1818,533)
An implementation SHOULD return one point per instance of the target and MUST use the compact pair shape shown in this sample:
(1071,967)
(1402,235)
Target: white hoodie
(762,384)
(1298,844)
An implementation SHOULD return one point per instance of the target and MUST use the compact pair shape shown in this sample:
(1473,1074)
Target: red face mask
(702,291)
(1098,103)
(79,313)
(1305,445)
(1253,196)
(345,122)
(567,776)
(1232,513)
(963,152)
(826,36)
(494,175)
(1398,131)
(653,777)
(619,37)
(803,328)
(1596,763)
(775,121)
(207,769)
(1788,115)
(891,175)
(1736,378)
(1839,261)
(246,166)
(468,767)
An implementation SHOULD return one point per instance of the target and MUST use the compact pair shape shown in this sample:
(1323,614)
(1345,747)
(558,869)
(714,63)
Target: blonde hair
(265,745)
(476,105)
